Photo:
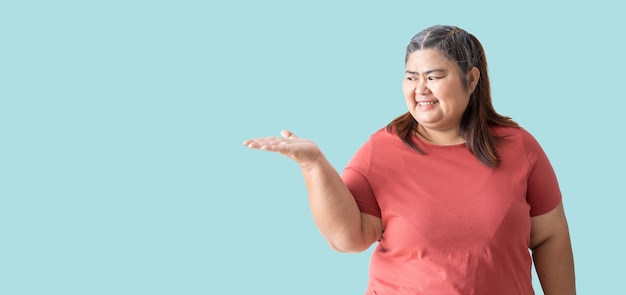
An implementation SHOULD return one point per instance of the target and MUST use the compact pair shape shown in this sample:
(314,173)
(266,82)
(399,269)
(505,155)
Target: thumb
(287,134)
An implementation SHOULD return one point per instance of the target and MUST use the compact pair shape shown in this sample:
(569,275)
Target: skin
(431,78)
(333,207)
(552,252)
(435,82)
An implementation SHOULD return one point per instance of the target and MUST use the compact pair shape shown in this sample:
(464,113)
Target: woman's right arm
(333,207)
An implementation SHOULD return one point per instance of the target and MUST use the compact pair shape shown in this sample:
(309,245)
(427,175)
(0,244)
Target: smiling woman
(453,193)
(436,95)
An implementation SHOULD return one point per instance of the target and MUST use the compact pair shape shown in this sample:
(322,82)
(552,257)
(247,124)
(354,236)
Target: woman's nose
(421,88)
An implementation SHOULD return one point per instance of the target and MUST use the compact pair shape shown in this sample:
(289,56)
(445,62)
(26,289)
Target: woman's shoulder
(509,131)
(383,138)
(383,133)
(517,136)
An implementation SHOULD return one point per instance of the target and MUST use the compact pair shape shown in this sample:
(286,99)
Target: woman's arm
(333,207)
(552,252)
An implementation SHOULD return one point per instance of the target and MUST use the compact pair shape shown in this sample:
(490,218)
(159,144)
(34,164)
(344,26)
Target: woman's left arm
(552,252)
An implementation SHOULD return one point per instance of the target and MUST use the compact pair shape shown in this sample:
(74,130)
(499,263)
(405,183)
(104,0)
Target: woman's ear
(472,78)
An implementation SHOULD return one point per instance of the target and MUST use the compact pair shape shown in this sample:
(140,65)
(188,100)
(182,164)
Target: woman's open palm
(301,150)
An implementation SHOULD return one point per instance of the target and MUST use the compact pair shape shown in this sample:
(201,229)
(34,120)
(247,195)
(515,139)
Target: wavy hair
(463,48)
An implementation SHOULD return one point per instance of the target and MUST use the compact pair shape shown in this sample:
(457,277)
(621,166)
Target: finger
(260,139)
(287,134)
(255,142)
(261,146)
(270,143)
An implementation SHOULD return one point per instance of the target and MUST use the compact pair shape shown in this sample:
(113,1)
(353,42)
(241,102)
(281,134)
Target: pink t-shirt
(451,224)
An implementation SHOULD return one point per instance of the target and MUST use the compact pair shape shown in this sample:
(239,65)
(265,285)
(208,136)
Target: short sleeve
(543,193)
(354,176)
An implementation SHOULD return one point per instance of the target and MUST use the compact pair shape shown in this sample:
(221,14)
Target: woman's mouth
(427,103)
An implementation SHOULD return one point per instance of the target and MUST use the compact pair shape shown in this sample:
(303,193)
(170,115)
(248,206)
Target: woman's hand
(333,207)
(303,151)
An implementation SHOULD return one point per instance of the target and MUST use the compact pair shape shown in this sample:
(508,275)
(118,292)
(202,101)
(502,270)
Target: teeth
(427,103)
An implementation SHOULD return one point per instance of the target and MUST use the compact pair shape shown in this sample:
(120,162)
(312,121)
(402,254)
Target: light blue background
(121,123)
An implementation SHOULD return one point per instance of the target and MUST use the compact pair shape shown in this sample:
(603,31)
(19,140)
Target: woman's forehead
(426,60)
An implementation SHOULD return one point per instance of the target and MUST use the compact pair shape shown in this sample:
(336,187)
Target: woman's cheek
(408,90)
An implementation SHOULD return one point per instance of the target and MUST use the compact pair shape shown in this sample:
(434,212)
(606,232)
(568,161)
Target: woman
(454,193)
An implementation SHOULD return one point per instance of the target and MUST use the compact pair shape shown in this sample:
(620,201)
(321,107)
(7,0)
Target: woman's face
(434,92)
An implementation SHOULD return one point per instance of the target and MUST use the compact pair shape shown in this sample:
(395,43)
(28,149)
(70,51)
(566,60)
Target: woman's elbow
(347,247)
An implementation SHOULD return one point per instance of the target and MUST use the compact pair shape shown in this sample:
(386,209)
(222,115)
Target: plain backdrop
(122,169)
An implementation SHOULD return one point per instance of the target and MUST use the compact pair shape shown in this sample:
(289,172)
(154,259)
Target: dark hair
(463,48)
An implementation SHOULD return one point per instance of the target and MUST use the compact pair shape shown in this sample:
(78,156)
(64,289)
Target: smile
(427,103)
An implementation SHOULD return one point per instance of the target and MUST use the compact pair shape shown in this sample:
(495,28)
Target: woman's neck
(440,137)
